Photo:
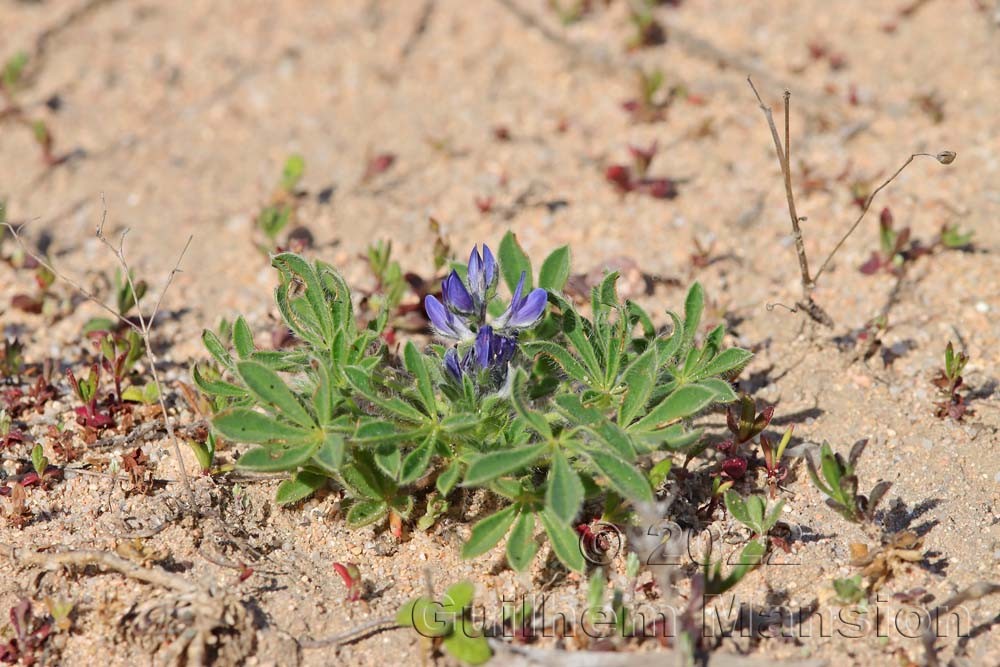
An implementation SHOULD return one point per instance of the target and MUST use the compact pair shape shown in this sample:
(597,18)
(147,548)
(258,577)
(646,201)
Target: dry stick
(84,557)
(809,282)
(786,172)
(143,328)
(943,157)
(353,635)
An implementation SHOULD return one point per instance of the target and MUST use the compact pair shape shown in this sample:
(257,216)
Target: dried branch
(944,158)
(353,635)
(143,328)
(109,561)
(783,152)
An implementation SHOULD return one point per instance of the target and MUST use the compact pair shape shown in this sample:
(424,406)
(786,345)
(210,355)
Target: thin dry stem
(352,635)
(84,557)
(868,204)
(144,327)
(786,171)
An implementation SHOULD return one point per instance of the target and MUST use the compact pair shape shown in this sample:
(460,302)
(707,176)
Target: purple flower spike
(490,273)
(455,295)
(524,311)
(483,275)
(452,366)
(444,321)
(493,350)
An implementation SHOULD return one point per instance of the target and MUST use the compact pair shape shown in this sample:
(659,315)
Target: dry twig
(783,151)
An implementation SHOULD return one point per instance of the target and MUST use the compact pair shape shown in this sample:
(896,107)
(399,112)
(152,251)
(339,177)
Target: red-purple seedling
(87,390)
(30,634)
(642,157)
(747,424)
(9,436)
(379,164)
(775,470)
(351,576)
(949,381)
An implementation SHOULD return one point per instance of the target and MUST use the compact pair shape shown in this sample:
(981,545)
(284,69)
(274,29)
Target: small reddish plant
(9,436)
(351,576)
(43,474)
(949,381)
(87,391)
(635,178)
(775,470)
(30,635)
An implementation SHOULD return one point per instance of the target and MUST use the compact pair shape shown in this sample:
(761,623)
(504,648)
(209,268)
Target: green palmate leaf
(473,650)
(564,493)
(365,512)
(245,425)
(487,532)
(622,476)
(242,338)
(425,616)
(723,390)
(273,393)
(737,508)
(555,270)
(564,540)
(534,419)
(416,462)
(216,387)
(389,459)
(521,547)
(330,455)
(447,480)
(301,485)
(495,464)
(638,379)
(216,348)
(416,365)
(458,597)
(726,362)
(574,409)
(694,304)
(560,355)
(514,261)
(573,327)
(263,459)
(684,402)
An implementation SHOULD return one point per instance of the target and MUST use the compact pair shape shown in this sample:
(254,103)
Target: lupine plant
(526,398)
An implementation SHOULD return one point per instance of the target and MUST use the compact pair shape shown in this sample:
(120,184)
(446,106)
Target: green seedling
(87,391)
(949,381)
(753,512)
(839,484)
(446,624)
(953,238)
(776,470)
(850,591)
(11,358)
(281,210)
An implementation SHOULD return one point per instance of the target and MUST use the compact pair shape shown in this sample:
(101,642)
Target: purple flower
(494,350)
(483,275)
(444,321)
(452,365)
(455,295)
(523,311)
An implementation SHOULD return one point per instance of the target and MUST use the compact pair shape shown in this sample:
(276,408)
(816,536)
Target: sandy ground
(179,115)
